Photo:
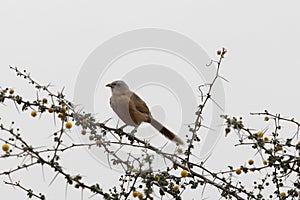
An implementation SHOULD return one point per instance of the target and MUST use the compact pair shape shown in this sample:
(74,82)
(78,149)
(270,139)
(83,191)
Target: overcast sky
(55,40)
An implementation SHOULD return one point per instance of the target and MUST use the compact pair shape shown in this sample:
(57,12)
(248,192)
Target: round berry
(279,148)
(266,139)
(282,194)
(184,173)
(84,122)
(238,171)
(91,137)
(69,125)
(179,150)
(50,110)
(33,113)
(140,196)
(260,134)
(45,100)
(251,162)
(133,169)
(83,131)
(175,188)
(11,91)
(63,109)
(135,193)
(98,142)
(5,147)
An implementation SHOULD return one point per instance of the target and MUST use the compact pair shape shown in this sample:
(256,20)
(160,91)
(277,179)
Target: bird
(133,111)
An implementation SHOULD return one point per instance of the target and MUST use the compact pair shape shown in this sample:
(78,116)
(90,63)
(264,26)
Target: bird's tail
(166,132)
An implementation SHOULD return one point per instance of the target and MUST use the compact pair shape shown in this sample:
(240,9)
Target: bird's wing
(139,104)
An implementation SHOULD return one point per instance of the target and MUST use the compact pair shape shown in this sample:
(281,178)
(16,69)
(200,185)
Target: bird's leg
(134,131)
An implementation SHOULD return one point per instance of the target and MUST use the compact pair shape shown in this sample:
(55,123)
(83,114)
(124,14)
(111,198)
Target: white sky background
(53,39)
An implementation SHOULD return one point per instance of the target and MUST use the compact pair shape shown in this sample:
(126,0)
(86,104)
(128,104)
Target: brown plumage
(132,110)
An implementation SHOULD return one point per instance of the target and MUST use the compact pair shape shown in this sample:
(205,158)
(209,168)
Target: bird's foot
(133,131)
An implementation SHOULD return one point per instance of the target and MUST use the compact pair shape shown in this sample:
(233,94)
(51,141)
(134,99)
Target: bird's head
(118,87)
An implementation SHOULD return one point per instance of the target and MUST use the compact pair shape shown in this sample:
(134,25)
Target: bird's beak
(110,85)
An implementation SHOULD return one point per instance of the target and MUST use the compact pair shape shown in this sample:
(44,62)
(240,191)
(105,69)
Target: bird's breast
(121,105)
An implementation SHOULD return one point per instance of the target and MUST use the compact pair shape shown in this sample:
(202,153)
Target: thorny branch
(137,175)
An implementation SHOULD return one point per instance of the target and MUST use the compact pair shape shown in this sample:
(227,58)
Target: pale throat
(121,91)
